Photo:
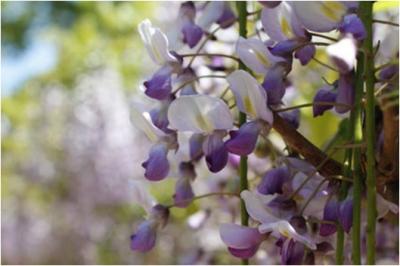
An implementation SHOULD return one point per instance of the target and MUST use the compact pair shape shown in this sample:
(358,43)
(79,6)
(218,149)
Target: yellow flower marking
(203,123)
(248,106)
(285,27)
(261,58)
(333,10)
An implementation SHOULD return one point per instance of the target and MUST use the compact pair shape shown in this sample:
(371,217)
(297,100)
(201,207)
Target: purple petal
(183,193)
(188,10)
(196,146)
(185,78)
(273,180)
(299,224)
(145,237)
(330,214)
(191,34)
(157,165)
(352,24)
(292,117)
(240,237)
(305,54)
(282,205)
(159,116)
(227,18)
(159,86)
(388,72)
(243,253)
(346,214)
(243,141)
(274,84)
(270,4)
(345,92)
(284,48)
(292,253)
(323,95)
(216,153)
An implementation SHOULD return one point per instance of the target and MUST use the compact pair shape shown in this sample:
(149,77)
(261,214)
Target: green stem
(366,17)
(356,120)
(242,12)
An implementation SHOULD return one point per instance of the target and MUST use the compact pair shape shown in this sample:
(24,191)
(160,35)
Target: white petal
(211,13)
(287,230)
(199,114)
(141,195)
(250,96)
(343,54)
(144,125)
(321,16)
(156,43)
(256,206)
(255,55)
(281,23)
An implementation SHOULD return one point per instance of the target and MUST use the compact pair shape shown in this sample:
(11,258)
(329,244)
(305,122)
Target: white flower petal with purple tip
(156,43)
(320,16)
(239,237)
(250,96)
(343,54)
(255,55)
(199,114)
(242,242)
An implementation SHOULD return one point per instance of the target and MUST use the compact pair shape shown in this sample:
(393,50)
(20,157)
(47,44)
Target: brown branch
(303,146)
(389,156)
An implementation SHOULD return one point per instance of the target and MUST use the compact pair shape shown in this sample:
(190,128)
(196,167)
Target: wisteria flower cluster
(306,197)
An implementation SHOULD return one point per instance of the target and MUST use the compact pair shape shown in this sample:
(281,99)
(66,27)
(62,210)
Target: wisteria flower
(206,115)
(256,206)
(144,238)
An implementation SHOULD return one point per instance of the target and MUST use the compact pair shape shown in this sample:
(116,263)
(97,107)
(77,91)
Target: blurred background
(71,151)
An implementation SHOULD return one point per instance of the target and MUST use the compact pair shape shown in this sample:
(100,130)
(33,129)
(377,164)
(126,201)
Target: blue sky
(38,58)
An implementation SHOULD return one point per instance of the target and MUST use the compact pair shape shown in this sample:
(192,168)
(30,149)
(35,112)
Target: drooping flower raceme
(292,203)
